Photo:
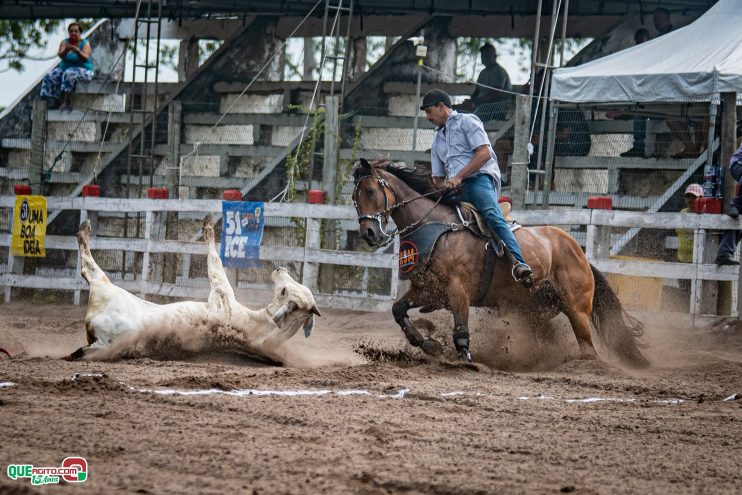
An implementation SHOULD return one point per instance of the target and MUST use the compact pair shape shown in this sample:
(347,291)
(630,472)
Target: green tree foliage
(25,39)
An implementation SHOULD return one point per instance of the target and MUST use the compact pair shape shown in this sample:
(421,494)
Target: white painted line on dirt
(235,393)
(6,384)
(599,399)
(346,393)
(397,395)
(391,394)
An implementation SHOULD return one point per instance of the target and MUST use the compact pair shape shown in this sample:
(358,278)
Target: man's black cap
(435,96)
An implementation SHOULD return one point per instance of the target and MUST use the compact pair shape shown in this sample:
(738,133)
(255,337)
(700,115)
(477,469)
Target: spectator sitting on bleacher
(492,78)
(685,237)
(76,65)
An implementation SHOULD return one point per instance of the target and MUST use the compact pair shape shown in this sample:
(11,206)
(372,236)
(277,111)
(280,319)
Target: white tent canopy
(692,63)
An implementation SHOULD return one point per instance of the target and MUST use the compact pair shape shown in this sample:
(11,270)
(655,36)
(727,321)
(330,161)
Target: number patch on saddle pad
(416,247)
(408,256)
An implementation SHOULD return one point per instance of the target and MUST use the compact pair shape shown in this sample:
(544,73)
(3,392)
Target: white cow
(114,313)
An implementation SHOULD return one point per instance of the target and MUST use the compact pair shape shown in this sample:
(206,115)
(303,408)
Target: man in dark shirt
(487,101)
(492,76)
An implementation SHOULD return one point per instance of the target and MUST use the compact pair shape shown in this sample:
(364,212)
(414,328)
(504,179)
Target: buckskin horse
(456,274)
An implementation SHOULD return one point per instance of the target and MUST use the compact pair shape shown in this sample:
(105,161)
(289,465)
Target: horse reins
(389,209)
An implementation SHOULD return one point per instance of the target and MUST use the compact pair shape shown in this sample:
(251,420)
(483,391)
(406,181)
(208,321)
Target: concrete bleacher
(257,129)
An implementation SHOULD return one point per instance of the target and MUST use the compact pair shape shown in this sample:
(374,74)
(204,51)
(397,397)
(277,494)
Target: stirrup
(523,278)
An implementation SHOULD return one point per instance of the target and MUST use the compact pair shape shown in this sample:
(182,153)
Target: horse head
(374,200)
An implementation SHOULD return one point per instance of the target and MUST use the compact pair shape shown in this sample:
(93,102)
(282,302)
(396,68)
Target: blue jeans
(479,190)
(728,243)
(735,170)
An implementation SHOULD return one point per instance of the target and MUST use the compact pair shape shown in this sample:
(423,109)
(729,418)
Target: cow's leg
(89,269)
(411,299)
(458,300)
(221,294)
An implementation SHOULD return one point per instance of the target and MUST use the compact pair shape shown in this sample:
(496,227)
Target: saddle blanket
(416,247)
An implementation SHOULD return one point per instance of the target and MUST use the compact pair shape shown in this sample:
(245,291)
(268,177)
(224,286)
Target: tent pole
(534,50)
(564,32)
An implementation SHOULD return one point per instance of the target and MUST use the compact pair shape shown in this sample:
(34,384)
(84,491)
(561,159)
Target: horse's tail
(620,332)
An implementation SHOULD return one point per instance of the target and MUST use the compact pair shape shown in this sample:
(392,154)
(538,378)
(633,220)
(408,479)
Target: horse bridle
(377,217)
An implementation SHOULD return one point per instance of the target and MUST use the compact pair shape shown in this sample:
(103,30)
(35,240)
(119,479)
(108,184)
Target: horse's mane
(419,179)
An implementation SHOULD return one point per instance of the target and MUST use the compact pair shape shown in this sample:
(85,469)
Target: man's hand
(454,182)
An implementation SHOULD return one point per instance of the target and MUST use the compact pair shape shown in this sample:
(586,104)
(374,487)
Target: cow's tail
(620,332)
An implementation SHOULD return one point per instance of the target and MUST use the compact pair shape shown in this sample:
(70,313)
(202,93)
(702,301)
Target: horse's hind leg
(89,269)
(221,294)
(411,299)
(580,320)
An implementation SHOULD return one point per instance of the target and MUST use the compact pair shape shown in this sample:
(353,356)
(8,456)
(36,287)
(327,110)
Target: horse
(455,276)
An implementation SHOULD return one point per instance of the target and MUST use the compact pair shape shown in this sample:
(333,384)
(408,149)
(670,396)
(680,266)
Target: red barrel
(157,193)
(91,190)
(708,205)
(600,203)
(232,195)
(316,197)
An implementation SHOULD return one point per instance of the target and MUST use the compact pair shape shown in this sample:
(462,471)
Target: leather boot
(521,272)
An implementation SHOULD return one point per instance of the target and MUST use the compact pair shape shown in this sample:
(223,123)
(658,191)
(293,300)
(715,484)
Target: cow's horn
(278,316)
(316,311)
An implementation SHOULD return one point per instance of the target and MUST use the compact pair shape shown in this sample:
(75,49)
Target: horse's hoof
(432,347)
(465,355)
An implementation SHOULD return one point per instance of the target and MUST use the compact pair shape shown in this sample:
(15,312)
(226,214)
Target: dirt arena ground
(370,415)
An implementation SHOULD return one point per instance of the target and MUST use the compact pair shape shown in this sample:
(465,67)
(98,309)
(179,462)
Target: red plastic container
(91,190)
(708,205)
(504,199)
(316,197)
(22,189)
(157,193)
(232,195)
(600,203)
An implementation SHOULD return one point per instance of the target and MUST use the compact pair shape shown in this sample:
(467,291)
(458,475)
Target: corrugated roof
(26,9)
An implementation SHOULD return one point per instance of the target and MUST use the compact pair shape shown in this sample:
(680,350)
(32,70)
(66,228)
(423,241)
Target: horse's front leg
(458,300)
(411,299)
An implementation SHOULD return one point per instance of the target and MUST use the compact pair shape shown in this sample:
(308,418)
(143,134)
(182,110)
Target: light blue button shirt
(454,149)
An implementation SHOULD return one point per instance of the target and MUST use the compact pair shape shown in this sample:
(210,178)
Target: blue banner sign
(242,232)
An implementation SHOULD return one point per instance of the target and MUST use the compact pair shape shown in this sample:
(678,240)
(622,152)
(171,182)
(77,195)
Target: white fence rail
(702,272)
(310,255)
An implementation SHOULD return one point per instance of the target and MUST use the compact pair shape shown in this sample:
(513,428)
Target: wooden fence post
(329,184)
(38,137)
(704,293)
(520,160)
(312,241)
(15,263)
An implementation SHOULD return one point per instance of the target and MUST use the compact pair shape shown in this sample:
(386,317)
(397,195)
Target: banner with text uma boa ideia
(29,226)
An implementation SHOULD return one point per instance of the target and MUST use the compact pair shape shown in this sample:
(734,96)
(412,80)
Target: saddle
(470,216)
(494,247)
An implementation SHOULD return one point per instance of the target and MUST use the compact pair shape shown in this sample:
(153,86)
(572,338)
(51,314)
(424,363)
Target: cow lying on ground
(114,313)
